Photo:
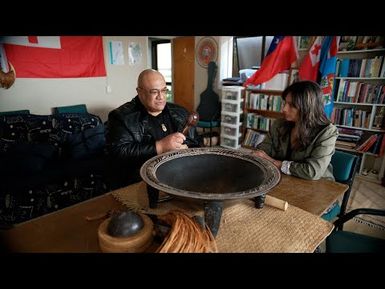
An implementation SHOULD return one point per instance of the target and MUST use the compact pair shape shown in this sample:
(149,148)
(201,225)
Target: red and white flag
(310,64)
(55,56)
(281,54)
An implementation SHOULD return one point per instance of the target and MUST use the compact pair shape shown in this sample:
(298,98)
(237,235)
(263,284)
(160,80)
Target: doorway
(183,63)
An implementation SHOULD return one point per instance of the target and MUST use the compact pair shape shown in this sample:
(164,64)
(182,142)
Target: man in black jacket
(146,126)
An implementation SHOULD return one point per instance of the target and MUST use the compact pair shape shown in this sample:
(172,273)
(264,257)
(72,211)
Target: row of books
(348,134)
(351,117)
(253,138)
(264,101)
(365,142)
(367,67)
(360,92)
(362,141)
(348,43)
(259,122)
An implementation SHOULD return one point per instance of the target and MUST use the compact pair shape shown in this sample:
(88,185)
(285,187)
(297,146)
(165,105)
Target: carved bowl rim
(149,168)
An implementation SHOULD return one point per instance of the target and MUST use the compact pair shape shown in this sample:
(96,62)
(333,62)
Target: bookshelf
(359,103)
(261,108)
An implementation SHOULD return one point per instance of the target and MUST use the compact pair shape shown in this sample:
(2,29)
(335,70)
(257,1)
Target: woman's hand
(262,154)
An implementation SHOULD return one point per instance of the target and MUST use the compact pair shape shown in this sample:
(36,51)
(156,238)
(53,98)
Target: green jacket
(311,163)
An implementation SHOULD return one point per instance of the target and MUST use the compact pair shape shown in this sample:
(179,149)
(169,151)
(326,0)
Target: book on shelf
(352,117)
(376,66)
(371,42)
(345,144)
(366,142)
(375,148)
(348,43)
(382,147)
(259,122)
(253,138)
(349,137)
(366,67)
(360,92)
(348,140)
(354,67)
(363,136)
(344,67)
(382,73)
(262,101)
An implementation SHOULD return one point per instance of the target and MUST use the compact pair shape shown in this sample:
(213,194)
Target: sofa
(48,162)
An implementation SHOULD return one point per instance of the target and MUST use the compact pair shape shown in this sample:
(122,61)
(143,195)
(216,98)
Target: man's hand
(171,142)
(264,155)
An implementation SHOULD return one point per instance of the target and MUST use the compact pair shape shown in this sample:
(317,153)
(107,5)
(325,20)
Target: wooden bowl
(132,244)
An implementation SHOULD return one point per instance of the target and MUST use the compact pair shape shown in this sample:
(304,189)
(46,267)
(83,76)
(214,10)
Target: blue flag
(328,61)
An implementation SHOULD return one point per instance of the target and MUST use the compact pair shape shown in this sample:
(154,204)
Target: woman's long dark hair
(307,98)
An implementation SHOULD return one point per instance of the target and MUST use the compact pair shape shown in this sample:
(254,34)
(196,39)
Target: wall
(224,70)
(40,95)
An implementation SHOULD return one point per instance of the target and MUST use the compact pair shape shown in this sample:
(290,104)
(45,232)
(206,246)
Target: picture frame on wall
(304,42)
(347,43)
(207,51)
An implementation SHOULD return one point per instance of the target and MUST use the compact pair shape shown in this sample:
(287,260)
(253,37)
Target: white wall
(40,95)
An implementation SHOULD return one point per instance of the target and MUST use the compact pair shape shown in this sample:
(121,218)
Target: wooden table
(312,196)
(67,230)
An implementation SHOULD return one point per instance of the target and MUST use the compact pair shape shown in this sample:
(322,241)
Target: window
(249,52)
(161,61)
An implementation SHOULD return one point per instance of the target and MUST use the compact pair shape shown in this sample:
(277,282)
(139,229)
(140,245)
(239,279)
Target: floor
(367,195)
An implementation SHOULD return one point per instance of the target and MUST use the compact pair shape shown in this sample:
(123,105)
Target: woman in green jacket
(302,143)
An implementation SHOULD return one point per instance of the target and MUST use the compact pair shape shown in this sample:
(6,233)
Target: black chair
(340,241)
(345,166)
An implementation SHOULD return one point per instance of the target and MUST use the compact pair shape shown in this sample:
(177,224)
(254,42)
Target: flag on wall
(55,56)
(327,69)
(281,54)
(310,64)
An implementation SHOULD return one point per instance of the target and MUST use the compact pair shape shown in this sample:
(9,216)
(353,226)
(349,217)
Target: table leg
(259,201)
(153,196)
(213,214)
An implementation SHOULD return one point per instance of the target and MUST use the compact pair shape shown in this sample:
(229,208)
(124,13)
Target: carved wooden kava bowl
(212,175)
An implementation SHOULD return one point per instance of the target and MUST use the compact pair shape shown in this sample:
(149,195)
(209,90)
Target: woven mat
(243,227)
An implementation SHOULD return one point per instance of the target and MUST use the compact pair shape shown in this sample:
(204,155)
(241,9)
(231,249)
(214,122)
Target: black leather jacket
(128,136)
